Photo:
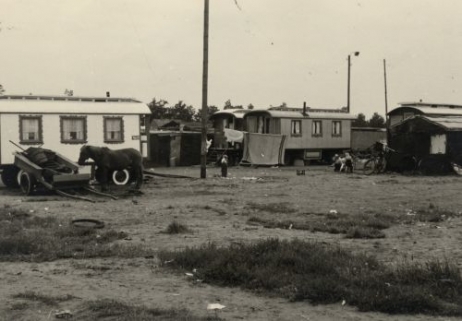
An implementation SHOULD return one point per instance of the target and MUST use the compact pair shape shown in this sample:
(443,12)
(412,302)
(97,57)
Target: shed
(423,135)
(364,137)
(173,148)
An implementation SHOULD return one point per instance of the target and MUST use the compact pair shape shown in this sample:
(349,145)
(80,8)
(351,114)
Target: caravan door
(438,144)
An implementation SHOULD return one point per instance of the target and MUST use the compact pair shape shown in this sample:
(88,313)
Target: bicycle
(389,159)
(375,165)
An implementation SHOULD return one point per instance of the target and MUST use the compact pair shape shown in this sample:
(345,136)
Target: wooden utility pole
(386,101)
(204,111)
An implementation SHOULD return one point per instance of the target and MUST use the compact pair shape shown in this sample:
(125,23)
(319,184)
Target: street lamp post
(356,53)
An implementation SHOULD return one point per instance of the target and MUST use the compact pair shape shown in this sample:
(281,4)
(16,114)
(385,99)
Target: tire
(369,167)
(27,183)
(121,177)
(381,166)
(10,176)
(18,177)
(88,223)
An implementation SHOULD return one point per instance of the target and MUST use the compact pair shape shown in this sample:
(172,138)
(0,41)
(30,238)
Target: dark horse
(108,160)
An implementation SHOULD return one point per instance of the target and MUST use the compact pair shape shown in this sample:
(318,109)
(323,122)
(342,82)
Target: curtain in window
(336,128)
(73,129)
(316,127)
(252,123)
(113,129)
(30,129)
(296,127)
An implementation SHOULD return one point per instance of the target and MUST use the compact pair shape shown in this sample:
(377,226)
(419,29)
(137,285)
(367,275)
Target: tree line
(376,121)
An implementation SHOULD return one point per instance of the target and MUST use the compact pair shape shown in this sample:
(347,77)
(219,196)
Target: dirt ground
(215,210)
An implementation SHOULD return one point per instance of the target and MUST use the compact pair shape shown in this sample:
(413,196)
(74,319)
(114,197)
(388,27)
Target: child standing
(224,166)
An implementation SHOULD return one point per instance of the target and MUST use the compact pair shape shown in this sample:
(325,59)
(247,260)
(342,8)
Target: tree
(182,111)
(159,109)
(210,111)
(250,107)
(377,121)
(228,105)
(69,92)
(360,121)
(2,90)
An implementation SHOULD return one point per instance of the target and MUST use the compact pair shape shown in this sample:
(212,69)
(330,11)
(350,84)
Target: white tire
(121,177)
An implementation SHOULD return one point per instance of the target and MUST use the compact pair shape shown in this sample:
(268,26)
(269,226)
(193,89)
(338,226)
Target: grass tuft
(42,298)
(115,310)
(177,228)
(317,273)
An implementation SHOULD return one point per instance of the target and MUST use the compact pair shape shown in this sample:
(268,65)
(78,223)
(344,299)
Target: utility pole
(386,101)
(356,53)
(205,66)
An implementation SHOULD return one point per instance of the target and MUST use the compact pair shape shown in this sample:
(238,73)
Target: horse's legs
(104,179)
(139,177)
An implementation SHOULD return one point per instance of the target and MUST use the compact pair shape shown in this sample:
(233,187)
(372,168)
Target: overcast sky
(263,52)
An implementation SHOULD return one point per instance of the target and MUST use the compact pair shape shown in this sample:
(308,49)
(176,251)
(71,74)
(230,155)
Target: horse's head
(85,153)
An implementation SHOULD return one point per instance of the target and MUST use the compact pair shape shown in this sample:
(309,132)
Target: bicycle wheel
(381,165)
(369,166)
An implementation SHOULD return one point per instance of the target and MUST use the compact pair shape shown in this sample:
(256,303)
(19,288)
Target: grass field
(265,243)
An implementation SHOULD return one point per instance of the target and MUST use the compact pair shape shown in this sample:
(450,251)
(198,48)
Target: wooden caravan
(64,124)
(309,134)
(228,135)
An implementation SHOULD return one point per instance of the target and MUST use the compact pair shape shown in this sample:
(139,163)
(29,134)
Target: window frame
(22,139)
(122,130)
(61,129)
(313,133)
(293,127)
(339,133)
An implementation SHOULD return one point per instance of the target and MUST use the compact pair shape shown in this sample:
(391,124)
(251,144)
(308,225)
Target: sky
(261,52)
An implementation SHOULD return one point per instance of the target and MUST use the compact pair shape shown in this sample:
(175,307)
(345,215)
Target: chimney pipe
(304,108)
(108,94)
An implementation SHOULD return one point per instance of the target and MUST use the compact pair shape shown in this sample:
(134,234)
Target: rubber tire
(9,176)
(369,167)
(383,166)
(27,183)
(18,177)
(94,223)
(116,180)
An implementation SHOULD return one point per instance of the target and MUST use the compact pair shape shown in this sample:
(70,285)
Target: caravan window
(296,128)
(73,129)
(336,128)
(113,130)
(317,128)
(30,129)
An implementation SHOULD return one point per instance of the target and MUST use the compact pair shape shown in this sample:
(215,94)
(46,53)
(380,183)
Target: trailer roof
(430,108)
(14,104)
(299,114)
(453,123)
(237,113)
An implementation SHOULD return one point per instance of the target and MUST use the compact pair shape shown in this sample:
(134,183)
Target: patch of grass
(43,298)
(317,273)
(31,238)
(432,214)
(364,232)
(115,310)
(177,228)
(282,207)
(19,306)
(354,226)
